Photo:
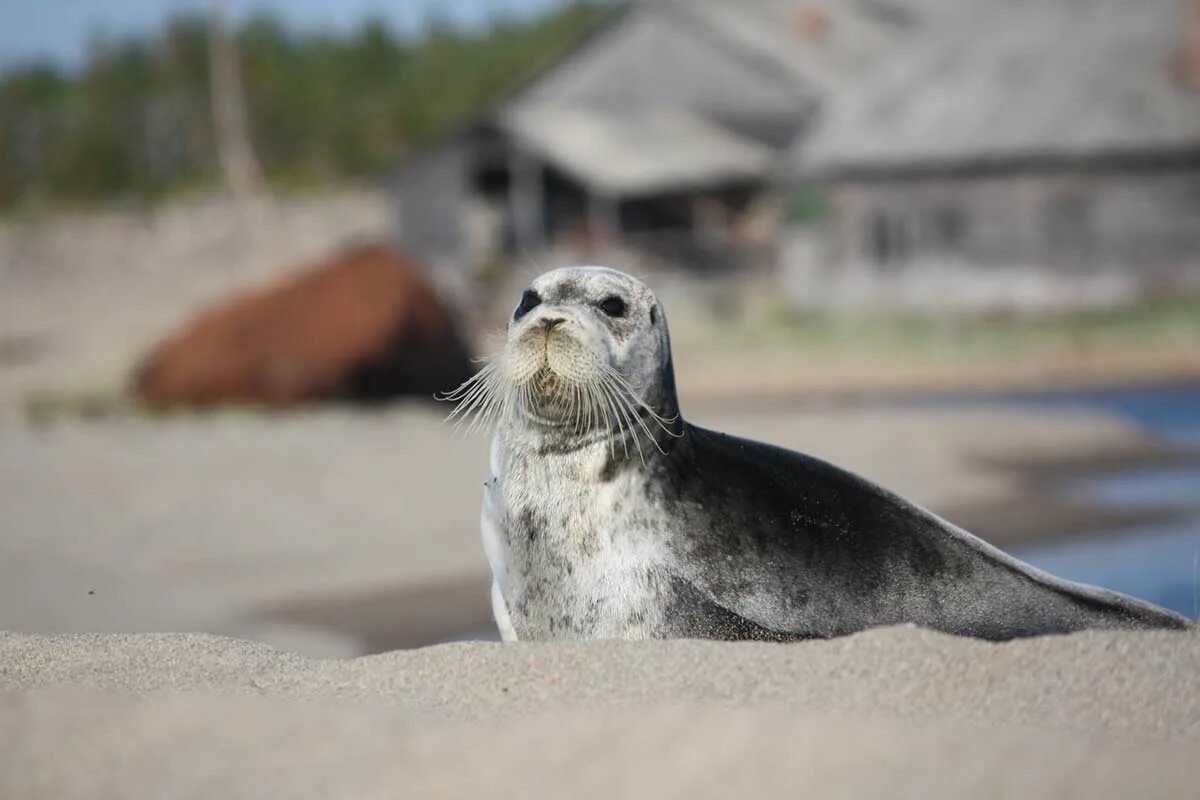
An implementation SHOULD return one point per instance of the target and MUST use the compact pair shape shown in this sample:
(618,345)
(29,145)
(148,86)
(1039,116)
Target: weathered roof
(990,81)
(630,152)
(821,43)
(757,66)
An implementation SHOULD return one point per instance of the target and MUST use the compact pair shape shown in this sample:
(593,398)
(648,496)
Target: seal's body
(606,515)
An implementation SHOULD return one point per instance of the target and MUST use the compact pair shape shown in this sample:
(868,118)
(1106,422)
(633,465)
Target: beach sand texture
(894,712)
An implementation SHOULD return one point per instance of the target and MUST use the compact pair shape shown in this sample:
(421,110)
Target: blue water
(1159,563)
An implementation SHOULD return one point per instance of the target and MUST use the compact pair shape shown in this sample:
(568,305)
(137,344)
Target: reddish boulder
(363,326)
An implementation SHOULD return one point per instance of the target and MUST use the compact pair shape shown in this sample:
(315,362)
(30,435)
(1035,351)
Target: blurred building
(860,139)
(1053,136)
(663,132)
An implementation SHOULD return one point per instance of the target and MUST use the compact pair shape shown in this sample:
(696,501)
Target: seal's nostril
(550,323)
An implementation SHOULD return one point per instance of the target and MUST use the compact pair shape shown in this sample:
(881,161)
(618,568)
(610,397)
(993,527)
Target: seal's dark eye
(613,306)
(529,301)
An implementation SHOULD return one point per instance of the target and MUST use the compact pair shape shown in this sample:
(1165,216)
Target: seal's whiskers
(482,398)
(632,412)
(589,396)
(623,410)
(661,421)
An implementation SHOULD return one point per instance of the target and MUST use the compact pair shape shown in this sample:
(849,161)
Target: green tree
(136,119)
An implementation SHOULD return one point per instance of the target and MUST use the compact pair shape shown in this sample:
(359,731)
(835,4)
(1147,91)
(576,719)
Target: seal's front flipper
(500,612)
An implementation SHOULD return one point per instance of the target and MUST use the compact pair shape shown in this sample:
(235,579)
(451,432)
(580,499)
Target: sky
(60,29)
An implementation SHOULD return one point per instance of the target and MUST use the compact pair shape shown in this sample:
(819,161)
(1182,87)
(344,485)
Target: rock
(364,326)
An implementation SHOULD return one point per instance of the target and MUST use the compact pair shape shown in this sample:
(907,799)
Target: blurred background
(952,246)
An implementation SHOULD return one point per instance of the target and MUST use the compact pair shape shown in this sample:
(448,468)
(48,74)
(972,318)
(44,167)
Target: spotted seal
(606,515)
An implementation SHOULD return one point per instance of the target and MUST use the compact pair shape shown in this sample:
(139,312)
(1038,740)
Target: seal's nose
(550,323)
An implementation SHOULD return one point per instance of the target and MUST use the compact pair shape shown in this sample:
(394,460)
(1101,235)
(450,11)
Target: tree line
(135,121)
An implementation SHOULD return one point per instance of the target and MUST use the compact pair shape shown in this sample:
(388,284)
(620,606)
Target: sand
(889,713)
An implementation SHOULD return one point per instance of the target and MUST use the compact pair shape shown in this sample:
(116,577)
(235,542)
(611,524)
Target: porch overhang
(630,153)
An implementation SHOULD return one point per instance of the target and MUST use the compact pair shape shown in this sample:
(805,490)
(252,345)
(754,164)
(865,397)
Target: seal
(606,515)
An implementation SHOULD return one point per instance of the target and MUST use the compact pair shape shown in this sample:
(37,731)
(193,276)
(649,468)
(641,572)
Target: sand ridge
(1138,684)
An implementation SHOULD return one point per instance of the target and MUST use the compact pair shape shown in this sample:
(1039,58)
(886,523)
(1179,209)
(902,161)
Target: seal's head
(587,351)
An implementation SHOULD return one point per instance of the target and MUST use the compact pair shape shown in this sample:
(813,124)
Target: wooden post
(239,167)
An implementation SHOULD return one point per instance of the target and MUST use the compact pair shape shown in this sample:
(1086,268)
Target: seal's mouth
(557,375)
(546,382)
(550,396)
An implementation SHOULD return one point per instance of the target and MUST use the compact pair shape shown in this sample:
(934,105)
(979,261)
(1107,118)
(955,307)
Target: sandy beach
(315,537)
(889,713)
(335,533)
(194,597)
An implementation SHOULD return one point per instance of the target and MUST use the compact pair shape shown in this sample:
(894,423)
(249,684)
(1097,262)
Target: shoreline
(1047,514)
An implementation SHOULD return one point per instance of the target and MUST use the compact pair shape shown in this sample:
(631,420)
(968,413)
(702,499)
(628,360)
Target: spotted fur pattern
(654,528)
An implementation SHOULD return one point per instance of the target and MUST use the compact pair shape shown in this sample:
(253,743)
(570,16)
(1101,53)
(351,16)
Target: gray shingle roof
(989,81)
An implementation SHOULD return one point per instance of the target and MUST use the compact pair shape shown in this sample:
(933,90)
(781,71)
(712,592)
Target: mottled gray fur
(601,525)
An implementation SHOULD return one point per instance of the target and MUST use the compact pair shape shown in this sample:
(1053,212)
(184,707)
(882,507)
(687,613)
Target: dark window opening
(888,240)
(491,180)
(950,229)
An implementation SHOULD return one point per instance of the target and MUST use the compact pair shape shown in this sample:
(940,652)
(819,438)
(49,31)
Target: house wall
(1036,241)
(1147,221)
(654,56)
